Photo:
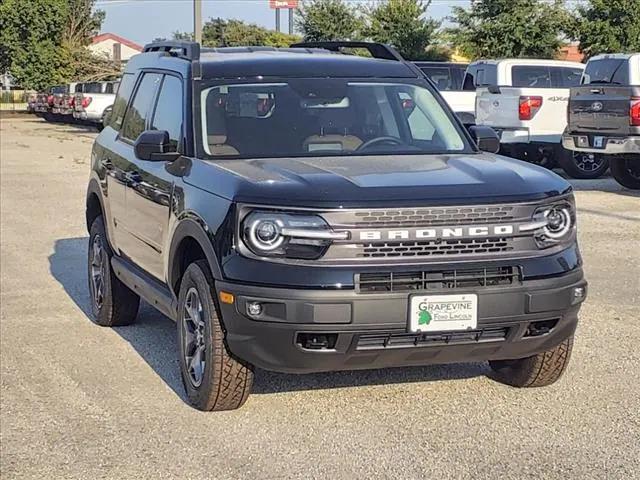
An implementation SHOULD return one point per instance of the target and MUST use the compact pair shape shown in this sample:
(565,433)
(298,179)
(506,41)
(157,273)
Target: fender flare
(194,228)
(93,189)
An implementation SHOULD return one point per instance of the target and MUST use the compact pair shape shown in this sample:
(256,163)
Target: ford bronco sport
(304,210)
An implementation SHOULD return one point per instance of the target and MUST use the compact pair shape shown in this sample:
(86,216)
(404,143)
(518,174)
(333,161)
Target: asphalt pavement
(81,401)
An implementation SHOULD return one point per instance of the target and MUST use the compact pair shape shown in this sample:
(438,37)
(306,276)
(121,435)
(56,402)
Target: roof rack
(377,50)
(186,50)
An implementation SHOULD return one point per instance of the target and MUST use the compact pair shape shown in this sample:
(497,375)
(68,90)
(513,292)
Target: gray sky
(144,20)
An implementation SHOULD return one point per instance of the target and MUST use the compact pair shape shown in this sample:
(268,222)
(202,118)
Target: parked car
(604,115)
(526,102)
(44,101)
(92,104)
(332,216)
(32,97)
(448,78)
(62,107)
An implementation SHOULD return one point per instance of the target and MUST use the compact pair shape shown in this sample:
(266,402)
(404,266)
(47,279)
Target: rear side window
(111,87)
(530,76)
(168,114)
(441,76)
(135,119)
(565,77)
(122,98)
(607,70)
(480,75)
(93,87)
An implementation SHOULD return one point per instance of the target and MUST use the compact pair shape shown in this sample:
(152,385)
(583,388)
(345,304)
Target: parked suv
(448,78)
(525,100)
(604,115)
(302,210)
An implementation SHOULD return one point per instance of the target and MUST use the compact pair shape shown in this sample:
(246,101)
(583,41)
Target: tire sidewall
(102,314)
(195,277)
(622,175)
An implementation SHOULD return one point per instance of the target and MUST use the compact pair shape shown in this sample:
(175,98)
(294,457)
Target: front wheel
(626,171)
(584,165)
(213,379)
(537,371)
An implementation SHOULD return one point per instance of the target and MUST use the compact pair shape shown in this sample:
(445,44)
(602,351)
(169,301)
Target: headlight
(290,235)
(556,224)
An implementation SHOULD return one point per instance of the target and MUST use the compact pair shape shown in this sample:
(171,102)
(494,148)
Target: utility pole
(277,19)
(197,21)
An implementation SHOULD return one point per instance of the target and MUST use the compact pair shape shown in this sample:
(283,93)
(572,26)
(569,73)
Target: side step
(155,293)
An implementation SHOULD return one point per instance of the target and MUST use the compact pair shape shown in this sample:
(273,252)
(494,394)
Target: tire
(626,171)
(112,302)
(220,381)
(582,165)
(537,371)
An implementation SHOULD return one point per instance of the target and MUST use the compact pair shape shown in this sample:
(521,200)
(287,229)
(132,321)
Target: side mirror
(486,138)
(155,145)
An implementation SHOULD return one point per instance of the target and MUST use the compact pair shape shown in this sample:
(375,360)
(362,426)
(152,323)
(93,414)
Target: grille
(403,340)
(467,246)
(446,279)
(436,216)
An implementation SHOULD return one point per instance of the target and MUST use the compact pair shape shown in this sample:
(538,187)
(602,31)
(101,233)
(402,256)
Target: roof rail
(377,50)
(187,50)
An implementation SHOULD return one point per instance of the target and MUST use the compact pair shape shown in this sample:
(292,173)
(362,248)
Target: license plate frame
(460,315)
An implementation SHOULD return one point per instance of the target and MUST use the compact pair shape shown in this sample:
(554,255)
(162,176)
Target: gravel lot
(80,401)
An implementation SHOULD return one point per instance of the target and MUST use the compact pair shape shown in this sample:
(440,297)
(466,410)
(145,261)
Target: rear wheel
(212,377)
(112,302)
(584,165)
(626,171)
(537,371)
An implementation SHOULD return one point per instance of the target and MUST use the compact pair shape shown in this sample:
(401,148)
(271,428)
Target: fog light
(254,308)
(579,294)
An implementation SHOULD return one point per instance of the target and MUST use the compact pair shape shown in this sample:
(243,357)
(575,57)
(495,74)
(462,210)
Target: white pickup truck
(525,101)
(95,101)
(448,78)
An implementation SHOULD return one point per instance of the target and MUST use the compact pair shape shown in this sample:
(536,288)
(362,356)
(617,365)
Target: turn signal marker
(226,297)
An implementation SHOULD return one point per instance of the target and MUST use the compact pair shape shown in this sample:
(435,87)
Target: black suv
(305,210)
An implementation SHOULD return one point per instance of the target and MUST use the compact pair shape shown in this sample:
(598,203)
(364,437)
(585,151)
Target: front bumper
(302,331)
(610,145)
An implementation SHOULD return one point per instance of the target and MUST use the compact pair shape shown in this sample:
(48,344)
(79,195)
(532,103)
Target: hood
(352,181)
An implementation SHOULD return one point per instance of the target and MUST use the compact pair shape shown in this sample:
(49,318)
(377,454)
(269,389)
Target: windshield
(318,117)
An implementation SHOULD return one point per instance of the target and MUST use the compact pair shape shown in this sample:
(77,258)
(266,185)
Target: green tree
(510,28)
(608,26)
(30,41)
(218,32)
(404,24)
(323,20)
(42,42)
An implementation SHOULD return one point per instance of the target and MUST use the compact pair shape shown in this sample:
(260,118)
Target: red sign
(287,4)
